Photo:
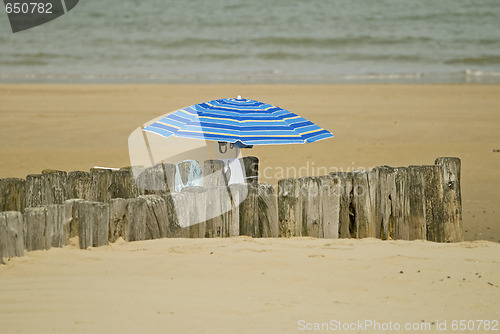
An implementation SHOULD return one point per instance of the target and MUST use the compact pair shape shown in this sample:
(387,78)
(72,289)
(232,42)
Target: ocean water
(259,41)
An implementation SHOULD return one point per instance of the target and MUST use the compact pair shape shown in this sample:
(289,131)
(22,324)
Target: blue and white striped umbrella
(240,121)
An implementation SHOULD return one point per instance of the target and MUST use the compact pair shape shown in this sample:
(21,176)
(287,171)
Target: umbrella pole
(146,141)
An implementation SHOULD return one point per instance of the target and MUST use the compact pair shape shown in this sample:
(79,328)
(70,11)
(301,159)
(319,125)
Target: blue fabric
(245,121)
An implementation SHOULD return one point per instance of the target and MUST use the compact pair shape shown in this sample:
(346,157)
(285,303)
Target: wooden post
(101,225)
(231,219)
(414,203)
(55,218)
(180,221)
(251,168)
(217,204)
(11,234)
(374,185)
(197,210)
(136,218)
(93,223)
(386,194)
(213,174)
(401,228)
(118,223)
(12,194)
(248,211)
(309,197)
(156,217)
(156,180)
(347,224)
(53,187)
(79,185)
(85,223)
(330,193)
(169,176)
(101,185)
(33,190)
(433,191)
(267,211)
(289,208)
(452,200)
(38,230)
(71,225)
(123,184)
(365,225)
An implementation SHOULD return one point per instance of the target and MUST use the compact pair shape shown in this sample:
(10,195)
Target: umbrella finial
(239,97)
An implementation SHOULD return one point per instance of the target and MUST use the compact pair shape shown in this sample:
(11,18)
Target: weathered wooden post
(248,210)
(118,223)
(79,185)
(309,197)
(231,219)
(452,200)
(401,228)
(433,192)
(38,230)
(93,221)
(123,184)
(101,225)
(197,210)
(330,193)
(12,194)
(11,234)
(85,223)
(156,180)
(213,174)
(267,212)
(363,217)
(251,168)
(386,202)
(55,218)
(218,204)
(289,208)
(179,226)
(53,187)
(71,225)
(136,217)
(33,190)
(156,217)
(101,185)
(414,203)
(347,225)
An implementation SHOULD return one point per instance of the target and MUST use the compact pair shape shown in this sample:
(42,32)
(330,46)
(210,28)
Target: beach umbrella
(241,122)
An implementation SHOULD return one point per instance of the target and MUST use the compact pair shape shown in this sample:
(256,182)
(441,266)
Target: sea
(259,41)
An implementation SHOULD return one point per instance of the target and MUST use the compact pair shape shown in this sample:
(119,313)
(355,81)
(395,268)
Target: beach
(76,127)
(250,285)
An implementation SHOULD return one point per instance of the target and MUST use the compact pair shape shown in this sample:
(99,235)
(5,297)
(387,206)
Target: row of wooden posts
(46,210)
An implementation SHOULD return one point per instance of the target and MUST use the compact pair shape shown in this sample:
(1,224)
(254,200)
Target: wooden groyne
(46,210)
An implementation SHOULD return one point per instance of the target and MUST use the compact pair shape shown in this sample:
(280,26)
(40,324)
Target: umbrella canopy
(241,121)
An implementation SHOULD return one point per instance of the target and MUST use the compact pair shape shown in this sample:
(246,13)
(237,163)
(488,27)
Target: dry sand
(260,285)
(244,285)
(76,127)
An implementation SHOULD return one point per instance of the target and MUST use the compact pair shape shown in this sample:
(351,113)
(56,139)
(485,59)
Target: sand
(244,285)
(260,285)
(76,127)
